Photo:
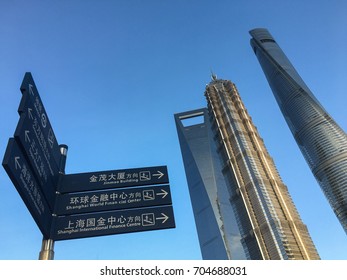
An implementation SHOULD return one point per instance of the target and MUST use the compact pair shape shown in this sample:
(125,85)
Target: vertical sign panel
(18,169)
(31,104)
(30,136)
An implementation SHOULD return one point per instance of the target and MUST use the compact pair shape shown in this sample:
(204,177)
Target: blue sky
(112,74)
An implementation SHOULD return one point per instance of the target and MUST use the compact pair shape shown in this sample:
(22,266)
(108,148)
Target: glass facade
(216,225)
(322,142)
(253,213)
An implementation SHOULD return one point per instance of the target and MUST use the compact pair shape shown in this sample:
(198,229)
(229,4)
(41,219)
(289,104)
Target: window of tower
(267,40)
(195,120)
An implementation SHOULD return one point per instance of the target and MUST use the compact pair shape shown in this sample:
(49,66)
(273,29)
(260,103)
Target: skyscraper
(322,142)
(239,200)
(215,221)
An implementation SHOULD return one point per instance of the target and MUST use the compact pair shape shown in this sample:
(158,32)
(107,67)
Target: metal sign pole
(47,248)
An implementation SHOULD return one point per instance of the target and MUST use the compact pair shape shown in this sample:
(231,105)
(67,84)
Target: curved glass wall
(322,142)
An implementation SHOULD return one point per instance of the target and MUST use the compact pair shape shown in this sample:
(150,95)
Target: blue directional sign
(32,105)
(30,136)
(112,222)
(22,177)
(113,179)
(84,204)
(116,199)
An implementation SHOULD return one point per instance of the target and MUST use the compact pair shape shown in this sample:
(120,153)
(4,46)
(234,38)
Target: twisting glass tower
(268,224)
(322,142)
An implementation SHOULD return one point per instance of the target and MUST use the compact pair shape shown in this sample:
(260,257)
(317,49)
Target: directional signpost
(85,204)
(23,178)
(111,202)
(32,157)
(29,135)
(32,105)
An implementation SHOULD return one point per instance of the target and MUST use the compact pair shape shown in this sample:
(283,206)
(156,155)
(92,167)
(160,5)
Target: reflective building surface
(216,224)
(241,207)
(322,142)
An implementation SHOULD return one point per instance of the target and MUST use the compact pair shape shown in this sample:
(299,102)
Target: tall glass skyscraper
(322,142)
(214,218)
(241,207)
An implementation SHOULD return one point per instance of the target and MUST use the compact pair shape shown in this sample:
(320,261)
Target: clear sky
(112,74)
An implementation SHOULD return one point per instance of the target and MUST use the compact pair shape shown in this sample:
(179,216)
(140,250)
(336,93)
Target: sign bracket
(47,248)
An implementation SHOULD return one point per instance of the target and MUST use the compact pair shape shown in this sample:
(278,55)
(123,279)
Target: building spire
(213,76)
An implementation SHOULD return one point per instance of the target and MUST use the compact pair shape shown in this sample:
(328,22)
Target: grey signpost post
(68,206)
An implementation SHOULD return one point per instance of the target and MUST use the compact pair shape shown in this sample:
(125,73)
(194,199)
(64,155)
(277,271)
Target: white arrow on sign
(27,138)
(31,89)
(51,137)
(163,217)
(163,193)
(30,114)
(16,163)
(159,174)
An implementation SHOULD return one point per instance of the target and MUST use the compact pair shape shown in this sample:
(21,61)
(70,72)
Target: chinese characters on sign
(114,179)
(84,204)
(31,138)
(31,104)
(113,222)
(24,180)
(94,203)
(32,157)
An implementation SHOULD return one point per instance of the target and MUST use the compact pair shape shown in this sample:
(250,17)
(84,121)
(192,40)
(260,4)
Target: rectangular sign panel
(32,105)
(105,200)
(29,134)
(112,222)
(18,169)
(92,181)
